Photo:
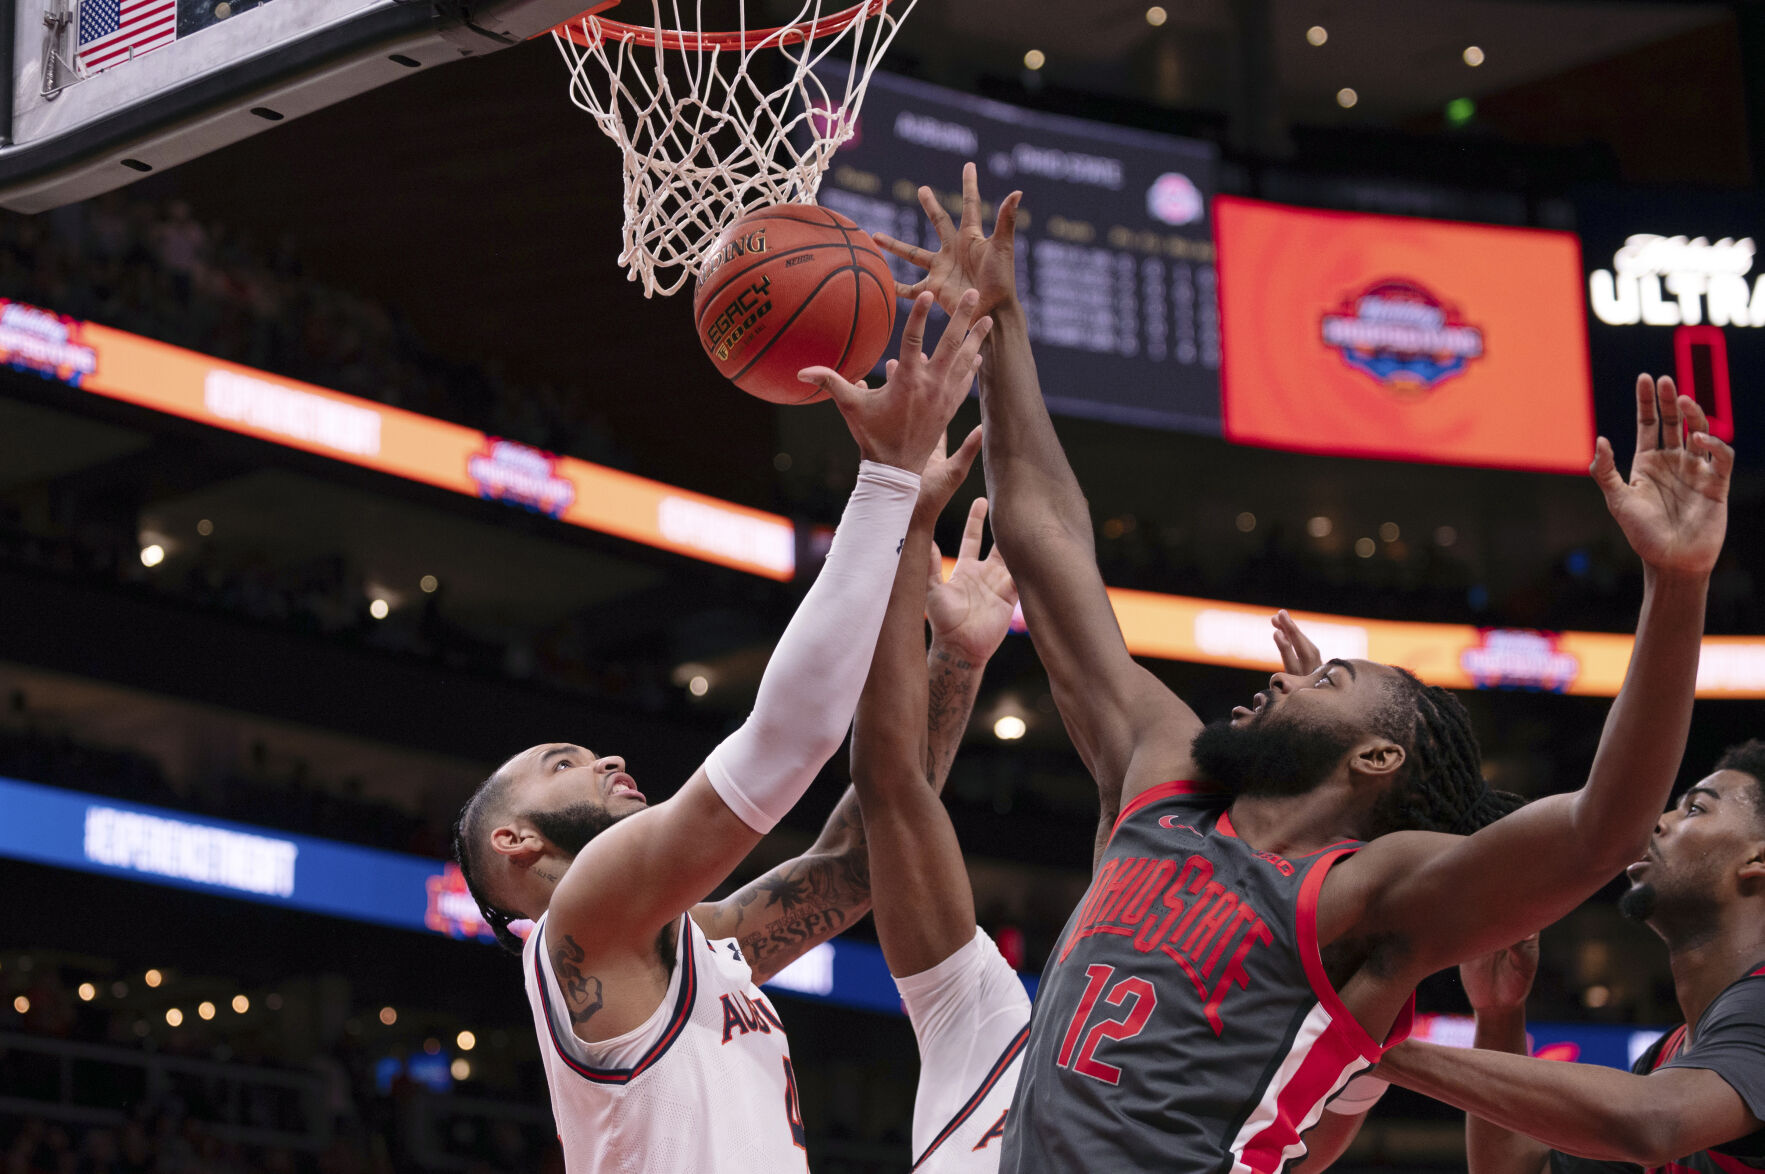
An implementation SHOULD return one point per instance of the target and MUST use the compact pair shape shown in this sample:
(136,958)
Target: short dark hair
(1749,759)
(1442,787)
(487,805)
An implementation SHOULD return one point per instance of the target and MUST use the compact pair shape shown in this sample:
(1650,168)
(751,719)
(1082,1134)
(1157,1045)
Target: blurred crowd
(287,798)
(154,269)
(93,538)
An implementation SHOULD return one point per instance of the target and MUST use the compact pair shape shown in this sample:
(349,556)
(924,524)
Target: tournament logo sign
(452,910)
(513,473)
(1519,659)
(1397,332)
(44,343)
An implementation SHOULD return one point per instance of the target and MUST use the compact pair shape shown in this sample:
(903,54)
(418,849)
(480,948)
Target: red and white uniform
(971,1016)
(703,1086)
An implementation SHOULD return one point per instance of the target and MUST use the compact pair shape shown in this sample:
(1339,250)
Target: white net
(704,134)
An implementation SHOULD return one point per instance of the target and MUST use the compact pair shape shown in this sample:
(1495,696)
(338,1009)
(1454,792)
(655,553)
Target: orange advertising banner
(170,379)
(225,395)
(1403,339)
(1457,656)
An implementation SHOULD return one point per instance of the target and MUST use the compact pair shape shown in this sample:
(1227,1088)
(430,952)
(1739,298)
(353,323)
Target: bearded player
(660,1050)
(1277,882)
(1695,1101)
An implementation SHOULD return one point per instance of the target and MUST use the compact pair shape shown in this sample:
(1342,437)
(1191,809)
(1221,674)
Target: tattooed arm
(783,914)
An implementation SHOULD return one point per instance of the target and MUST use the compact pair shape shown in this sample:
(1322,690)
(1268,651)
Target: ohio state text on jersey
(1184,1023)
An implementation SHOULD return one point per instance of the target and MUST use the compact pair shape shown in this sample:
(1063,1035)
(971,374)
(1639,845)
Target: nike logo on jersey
(1171,821)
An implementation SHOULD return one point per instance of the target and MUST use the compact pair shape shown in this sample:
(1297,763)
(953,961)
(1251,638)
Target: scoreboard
(1115,245)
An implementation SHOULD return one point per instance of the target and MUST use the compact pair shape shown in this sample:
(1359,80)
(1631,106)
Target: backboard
(105,91)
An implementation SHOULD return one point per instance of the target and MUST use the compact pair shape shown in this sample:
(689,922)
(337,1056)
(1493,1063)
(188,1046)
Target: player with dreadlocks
(1278,881)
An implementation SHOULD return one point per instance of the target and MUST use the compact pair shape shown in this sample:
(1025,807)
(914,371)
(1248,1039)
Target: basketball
(788,287)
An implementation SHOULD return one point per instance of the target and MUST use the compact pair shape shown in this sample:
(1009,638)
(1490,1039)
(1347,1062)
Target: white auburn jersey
(971,1017)
(704,1085)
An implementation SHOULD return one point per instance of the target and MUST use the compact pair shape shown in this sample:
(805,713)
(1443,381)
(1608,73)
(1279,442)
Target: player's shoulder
(1741,1002)
(1358,881)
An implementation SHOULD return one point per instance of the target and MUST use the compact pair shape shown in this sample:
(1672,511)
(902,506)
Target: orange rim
(588,29)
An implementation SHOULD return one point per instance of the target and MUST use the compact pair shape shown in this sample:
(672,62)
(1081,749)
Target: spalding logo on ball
(788,287)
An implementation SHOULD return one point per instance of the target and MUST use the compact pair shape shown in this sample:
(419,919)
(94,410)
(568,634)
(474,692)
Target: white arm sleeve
(811,685)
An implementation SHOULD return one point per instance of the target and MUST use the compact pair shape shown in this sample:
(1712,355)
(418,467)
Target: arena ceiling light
(1316,35)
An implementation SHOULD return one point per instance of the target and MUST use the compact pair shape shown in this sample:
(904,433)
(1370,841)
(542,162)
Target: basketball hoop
(703,140)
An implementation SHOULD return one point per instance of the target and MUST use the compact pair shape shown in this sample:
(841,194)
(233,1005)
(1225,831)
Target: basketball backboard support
(105,91)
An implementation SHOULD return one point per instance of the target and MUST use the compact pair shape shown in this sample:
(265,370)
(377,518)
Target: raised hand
(1299,655)
(1674,508)
(971,611)
(943,475)
(902,421)
(966,258)
(1500,981)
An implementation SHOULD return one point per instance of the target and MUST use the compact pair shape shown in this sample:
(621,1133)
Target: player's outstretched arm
(803,902)
(1130,730)
(1581,1109)
(1451,898)
(638,875)
(924,907)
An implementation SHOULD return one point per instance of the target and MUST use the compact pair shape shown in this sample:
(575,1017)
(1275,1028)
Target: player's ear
(1752,869)
(519,842)
(1376,760)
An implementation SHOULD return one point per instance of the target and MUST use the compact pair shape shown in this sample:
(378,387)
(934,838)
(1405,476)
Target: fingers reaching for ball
(901,422)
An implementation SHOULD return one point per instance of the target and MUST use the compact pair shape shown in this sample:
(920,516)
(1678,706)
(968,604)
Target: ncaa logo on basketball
(1398,333)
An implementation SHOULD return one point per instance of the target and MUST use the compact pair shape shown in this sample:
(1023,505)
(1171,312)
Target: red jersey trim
(1306,926)
(1670,1049)
(683,1005)
(1012,1051)
(1161,791)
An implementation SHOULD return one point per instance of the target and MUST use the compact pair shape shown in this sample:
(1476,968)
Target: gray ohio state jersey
(1184,1023)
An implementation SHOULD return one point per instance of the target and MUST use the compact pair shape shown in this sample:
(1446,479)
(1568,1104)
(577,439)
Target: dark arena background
(317,503)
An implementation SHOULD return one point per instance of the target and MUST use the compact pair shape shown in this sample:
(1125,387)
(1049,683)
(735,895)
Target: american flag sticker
(115,31)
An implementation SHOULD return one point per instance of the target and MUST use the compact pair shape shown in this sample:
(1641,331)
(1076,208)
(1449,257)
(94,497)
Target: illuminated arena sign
(165,378)
(1678,281)
(130,841)
(1396,338)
